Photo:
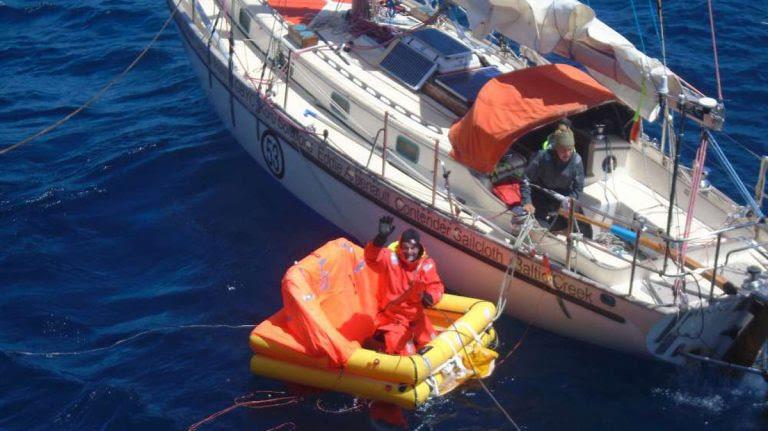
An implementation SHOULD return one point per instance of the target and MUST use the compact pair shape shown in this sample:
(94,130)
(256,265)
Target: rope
(714,50)
(474,370)
(244,401)
(653,19)
(125,340)
(495,401)
(637,25)
(100,93)
(701,156)
(663,44)
(725,163)
(743,146)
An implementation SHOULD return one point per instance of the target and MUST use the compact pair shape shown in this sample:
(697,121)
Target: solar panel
(407,66)
(441,42)
(466,84)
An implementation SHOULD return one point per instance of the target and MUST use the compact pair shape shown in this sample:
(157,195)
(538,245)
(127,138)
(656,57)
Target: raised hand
(385,226)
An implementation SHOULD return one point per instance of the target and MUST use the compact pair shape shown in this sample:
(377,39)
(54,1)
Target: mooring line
(125,340)
(100,93)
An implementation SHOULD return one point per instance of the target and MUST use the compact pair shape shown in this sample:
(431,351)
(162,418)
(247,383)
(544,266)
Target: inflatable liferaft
(329,309)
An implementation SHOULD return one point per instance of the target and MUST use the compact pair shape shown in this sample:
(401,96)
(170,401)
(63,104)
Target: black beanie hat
(410,235)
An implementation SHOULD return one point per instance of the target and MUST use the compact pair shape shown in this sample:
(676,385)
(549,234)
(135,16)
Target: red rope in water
(246,401)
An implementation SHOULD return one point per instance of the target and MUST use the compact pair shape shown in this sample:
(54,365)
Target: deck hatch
(466,84)
(441,42)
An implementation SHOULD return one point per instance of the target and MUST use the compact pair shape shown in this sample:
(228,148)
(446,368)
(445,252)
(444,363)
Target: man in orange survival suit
(410,284)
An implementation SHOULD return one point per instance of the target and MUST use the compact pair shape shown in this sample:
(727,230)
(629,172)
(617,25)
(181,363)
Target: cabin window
(407,148)
(339,105)
(245,20)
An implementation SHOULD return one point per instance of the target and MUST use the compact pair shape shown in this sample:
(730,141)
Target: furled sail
(570,29)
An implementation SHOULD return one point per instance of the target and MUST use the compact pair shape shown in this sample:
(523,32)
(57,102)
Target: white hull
(353,198)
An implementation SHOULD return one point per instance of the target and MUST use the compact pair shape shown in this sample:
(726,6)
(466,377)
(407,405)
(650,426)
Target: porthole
(339,105)
(407,148)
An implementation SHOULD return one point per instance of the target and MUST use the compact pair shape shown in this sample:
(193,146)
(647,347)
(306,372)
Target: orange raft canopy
(329,304)
(511,105)
(329,308)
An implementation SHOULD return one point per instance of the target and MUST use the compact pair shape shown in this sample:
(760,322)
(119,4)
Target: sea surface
(138,237)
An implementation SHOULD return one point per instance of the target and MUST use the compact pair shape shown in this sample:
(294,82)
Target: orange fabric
(388,414)
(635,132)
(401,316)
(329,304)
(509,193)
(299,11)
(513,104)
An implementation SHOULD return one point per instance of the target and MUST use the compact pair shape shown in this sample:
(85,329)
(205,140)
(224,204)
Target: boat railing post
(760,186)
(434,172)
(674,246)
(287,79)
(384,148)
(714,268)
(667,245)
(446,174)
(638,232)
(194,10)
(569,239)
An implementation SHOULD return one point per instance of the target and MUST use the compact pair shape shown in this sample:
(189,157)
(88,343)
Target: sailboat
(366,108)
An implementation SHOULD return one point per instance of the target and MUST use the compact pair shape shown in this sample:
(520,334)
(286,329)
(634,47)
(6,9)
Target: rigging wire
(653,19)
(663,43)
(98,94)
(743,146)
(637,25)
(714,50)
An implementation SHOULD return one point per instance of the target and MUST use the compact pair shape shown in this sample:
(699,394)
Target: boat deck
(303,105)
(306,101)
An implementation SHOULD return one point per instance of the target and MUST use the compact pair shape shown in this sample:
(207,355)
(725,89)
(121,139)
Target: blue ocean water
(143,214)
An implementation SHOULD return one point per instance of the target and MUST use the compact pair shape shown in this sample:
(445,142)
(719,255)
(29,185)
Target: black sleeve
(533,171)
(577,187)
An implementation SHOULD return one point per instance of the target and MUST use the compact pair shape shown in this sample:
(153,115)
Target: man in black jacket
(559,169)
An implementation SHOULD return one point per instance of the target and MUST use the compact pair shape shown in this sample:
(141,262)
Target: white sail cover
(570,29)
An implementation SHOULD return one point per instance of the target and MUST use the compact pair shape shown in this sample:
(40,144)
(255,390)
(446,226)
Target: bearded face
(410,250)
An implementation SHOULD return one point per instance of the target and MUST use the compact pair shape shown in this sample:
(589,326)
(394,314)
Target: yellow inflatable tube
(403,395)
(461,336)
